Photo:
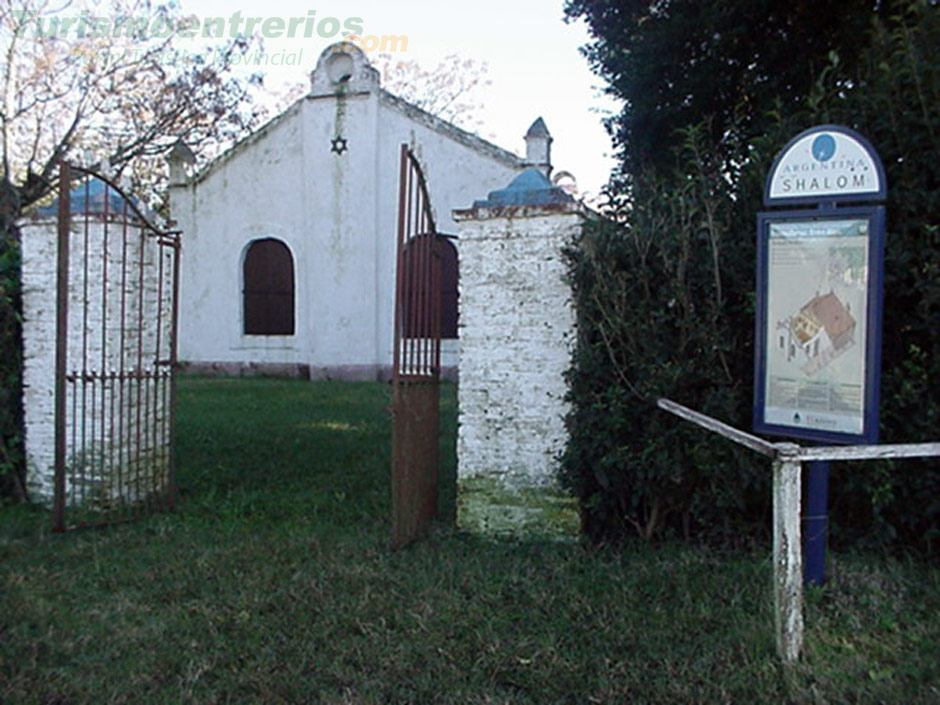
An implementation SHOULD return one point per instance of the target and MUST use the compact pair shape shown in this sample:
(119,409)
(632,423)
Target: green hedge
(666,308)
(11,362)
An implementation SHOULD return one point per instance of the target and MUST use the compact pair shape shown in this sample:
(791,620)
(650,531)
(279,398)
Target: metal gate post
(174,369)
(416,360)
(61,340)
(816,521)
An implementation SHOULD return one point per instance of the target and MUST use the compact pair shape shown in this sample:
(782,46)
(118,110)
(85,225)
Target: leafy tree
(666,298)
(676,63)
(114,93)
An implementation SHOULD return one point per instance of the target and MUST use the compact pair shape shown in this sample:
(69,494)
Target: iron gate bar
(104,344)
(61,328)
(173,365)
(416,359)
(122,376)
(84,370)
(118,414)
(139,371)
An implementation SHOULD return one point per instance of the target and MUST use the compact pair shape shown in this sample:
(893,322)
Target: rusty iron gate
(417,359)
(117,287)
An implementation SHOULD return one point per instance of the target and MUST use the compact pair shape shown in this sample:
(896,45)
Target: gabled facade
(289,238)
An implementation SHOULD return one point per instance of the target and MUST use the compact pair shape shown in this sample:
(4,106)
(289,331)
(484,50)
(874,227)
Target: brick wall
(516,337)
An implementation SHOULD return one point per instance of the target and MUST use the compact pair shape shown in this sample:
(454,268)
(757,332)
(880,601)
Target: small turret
(179,158)
(538,147)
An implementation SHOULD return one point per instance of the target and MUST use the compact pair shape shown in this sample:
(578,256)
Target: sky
(534,67)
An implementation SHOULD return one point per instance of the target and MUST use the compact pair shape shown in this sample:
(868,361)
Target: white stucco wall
(516,339)
(116,433)
(338,214)
(256,193)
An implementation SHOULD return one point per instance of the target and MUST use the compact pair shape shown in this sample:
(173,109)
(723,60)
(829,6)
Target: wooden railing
(787,558)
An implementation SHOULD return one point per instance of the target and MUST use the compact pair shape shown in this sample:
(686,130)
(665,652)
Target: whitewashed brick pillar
(517,332)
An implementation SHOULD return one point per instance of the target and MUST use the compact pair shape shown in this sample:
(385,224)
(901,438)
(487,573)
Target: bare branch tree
(96,82)
(113,90)
(450,90)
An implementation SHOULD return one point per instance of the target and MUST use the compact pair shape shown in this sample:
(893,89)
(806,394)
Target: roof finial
(538,147)
(179,157)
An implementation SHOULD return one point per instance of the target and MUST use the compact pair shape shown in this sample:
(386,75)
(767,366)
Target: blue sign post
(819,305)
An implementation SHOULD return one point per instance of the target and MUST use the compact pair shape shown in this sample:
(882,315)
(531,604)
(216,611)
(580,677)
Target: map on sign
(817,299)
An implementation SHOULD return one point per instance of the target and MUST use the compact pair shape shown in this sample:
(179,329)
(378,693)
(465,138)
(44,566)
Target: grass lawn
(273,584)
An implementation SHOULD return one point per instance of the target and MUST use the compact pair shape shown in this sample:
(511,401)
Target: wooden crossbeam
(787,469)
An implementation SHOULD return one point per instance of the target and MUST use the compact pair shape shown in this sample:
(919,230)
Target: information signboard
(819,284)
(819,295)
(819,324)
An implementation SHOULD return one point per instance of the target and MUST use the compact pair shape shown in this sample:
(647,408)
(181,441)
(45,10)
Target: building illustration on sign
(817,278)
(822,330)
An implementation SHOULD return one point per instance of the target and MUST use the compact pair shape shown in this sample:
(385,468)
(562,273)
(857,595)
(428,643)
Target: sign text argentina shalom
(825,162)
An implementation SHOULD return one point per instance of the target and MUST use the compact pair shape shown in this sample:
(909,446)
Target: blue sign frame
(811,425)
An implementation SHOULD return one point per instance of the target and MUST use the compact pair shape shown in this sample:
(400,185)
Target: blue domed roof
(529,188)
(91,197)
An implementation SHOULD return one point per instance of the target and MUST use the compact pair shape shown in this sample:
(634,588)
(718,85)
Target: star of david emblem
(338,145)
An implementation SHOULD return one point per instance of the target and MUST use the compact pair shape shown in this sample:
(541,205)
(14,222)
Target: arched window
(416,288)
(268,293)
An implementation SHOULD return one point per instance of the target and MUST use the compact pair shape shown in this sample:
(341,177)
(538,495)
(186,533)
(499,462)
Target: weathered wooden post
(787,557)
